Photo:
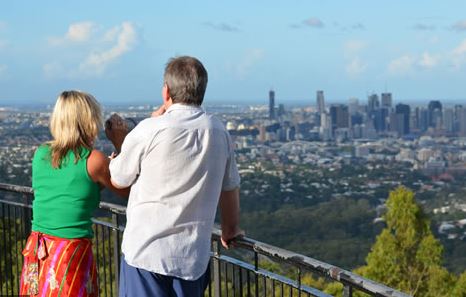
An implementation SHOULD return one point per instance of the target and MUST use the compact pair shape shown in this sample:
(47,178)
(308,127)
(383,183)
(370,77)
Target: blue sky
(117,50)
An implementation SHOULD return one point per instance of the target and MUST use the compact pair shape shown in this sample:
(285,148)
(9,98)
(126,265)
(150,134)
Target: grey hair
(186,79)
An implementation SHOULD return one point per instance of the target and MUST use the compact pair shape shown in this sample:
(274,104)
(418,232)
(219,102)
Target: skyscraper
(340,116)
(320,102)
(353,106)
(435,114)
(272,104)
(387,100)
(372,103)
(402,112)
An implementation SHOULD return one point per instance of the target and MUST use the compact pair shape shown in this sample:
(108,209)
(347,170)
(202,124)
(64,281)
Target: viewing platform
(239,272)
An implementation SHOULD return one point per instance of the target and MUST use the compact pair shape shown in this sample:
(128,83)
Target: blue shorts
(136,282)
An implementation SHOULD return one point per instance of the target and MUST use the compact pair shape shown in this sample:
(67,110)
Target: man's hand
(160,111)
(116,130)
(229,236)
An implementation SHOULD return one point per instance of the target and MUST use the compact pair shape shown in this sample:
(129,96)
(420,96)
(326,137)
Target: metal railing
(239,272)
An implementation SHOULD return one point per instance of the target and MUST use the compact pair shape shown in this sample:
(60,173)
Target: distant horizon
(207,102)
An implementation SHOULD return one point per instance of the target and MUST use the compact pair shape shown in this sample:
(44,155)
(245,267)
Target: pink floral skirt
(55,266)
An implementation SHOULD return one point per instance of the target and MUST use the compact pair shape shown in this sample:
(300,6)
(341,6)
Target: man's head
(186,80)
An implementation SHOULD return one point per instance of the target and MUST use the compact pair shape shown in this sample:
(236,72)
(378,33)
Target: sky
(117,50)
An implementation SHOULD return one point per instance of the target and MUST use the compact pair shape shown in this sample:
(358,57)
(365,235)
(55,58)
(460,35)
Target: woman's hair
(75,123)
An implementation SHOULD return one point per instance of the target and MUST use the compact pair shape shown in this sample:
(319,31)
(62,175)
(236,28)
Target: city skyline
(117,51)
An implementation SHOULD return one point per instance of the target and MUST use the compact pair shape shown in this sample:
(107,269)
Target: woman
(67,177)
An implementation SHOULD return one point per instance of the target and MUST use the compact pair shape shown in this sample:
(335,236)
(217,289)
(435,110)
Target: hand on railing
(229,239)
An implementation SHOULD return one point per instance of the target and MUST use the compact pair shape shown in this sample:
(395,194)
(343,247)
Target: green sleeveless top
(65,198)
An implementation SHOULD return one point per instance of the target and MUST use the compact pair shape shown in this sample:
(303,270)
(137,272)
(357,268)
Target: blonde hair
(75,123)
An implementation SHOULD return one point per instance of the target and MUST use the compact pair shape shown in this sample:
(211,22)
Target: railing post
(256,276)
(116,249)
(347,290)
(216,261)
(299,281)
(27,217)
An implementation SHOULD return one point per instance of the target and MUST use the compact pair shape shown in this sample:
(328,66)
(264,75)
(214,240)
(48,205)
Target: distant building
(399,121)
(372,103)
(272,104)
(462,122)
(320,102)
(340,116)
(380,119)
(353,106)
(387,100)
(435,114)
(281,110)
(449,120)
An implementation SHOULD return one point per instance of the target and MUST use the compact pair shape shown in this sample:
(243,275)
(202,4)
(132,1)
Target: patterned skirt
(55,266)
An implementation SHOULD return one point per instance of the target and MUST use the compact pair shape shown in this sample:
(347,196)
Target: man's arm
(229,212)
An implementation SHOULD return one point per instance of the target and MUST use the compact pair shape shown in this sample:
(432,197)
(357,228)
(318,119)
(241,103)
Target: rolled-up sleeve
(125,168)
(231,179)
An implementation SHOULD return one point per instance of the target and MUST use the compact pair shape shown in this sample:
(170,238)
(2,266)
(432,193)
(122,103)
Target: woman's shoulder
(96,164)
(41,150)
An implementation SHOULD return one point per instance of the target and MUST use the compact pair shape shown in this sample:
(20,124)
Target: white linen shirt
(177,165)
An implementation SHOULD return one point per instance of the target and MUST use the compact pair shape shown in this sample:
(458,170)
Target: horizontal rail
(307,263)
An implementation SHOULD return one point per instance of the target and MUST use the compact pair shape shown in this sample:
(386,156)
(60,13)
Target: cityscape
(308,155)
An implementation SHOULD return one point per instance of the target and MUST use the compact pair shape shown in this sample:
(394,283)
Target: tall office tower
(458,110)
(372,103)
(353,106)
(423,119)
(325,127)
(272,104)
(380,119)
(435,114)
(340,116)
(387,100)
(462,121)
(402,112)
(281,110)
(320,102)
(449,120)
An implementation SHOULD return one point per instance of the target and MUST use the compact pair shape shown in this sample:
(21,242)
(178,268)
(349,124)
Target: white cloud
(249,59)
(77,33)
(352,50)
(80,32)
(458,55)
(428,61)
(401,65)
(423,27)
(352,47)
(314,22)
(97,61)
(93,48)
(52,70)
(461,49)
(459,26)
(356,67)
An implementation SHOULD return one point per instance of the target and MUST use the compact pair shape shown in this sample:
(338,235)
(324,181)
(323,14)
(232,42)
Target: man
(180,164)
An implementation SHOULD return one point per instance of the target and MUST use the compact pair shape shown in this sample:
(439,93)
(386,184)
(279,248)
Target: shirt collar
(180,106)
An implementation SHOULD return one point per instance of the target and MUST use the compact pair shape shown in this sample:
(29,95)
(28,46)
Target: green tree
(406,255)
(460,287)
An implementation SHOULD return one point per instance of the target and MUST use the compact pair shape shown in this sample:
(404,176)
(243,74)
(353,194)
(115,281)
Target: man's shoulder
(215,122)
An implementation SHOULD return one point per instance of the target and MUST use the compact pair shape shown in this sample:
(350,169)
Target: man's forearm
(229,211)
